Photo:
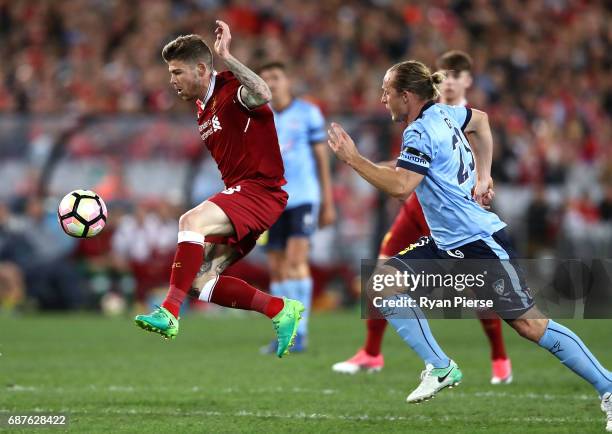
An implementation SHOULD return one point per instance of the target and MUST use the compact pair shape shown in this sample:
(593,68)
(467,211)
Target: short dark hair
(276,64)
(188,48)
(455,60)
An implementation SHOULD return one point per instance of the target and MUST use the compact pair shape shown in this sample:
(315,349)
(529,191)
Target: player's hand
(327,215)
(484,193)
(342,144)
(223,40)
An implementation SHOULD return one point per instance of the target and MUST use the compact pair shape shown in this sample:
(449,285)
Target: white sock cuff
(190,237)
(207,290)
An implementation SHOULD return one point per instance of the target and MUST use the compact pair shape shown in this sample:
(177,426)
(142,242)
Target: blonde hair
(413,76)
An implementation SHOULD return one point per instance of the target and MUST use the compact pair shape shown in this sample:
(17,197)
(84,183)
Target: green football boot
(435,379)
(286,324)
(159,321)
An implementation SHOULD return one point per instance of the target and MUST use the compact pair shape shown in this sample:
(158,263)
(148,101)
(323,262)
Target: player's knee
(521,327)
(294,261)
(193,220)
(187,221)
(531,329)
(378,283)
(296,268)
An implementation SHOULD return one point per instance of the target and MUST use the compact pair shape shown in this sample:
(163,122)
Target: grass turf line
(109,375)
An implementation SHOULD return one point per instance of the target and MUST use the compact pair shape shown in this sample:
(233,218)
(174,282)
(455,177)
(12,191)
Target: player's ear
(201,68)
(468,80)
(406,97)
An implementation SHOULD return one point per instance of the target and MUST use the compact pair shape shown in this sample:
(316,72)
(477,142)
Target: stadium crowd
(541,71)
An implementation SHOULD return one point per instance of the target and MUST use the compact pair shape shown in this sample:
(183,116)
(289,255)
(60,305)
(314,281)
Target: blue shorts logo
(455,253)
(498,286)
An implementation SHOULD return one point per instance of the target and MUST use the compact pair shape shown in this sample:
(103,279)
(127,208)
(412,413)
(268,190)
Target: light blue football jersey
(434,145)
(299,126)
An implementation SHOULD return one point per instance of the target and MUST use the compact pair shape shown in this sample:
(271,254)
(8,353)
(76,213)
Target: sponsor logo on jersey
(231,190)
(414,159)
(216,124)
(209,127)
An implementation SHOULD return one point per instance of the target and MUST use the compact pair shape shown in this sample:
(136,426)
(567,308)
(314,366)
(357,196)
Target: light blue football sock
(571,351)
(411,324)
(277,289)
(290,289)
(303,289)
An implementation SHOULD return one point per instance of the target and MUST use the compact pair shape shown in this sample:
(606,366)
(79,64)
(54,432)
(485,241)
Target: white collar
(211,88)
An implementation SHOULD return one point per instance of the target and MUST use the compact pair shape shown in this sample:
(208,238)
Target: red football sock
(376,330)
(493,329)
(236,293)
(187,262)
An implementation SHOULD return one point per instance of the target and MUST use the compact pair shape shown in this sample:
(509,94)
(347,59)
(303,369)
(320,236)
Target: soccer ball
(82,214)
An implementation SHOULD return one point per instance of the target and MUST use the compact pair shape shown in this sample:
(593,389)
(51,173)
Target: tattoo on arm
(254,91)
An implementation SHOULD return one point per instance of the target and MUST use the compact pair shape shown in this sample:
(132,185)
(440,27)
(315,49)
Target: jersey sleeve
(262,109)
(235,87)
(460,114)
(316,126)
(239,98)
(417,151)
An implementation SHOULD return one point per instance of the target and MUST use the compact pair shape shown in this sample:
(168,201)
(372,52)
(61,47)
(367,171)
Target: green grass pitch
(108,375)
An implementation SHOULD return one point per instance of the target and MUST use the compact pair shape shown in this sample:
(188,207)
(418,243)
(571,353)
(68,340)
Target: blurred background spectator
(85,103)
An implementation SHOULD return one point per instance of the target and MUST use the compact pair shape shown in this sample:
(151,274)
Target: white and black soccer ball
(82,214)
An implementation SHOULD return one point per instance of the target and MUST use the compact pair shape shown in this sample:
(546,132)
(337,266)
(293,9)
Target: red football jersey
(242,141)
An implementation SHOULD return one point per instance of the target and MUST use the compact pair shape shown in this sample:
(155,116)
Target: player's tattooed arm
(254,91)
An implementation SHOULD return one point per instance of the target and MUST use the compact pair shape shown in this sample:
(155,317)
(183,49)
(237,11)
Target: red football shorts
(252,207)
(407,228)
